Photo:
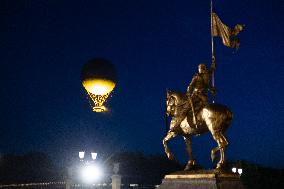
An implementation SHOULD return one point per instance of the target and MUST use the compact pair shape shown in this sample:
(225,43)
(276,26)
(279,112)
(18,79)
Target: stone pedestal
(116,181)
(201,180)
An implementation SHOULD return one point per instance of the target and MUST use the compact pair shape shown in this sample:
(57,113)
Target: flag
(226,33)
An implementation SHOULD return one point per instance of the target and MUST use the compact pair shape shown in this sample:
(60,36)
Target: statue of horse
(215,118)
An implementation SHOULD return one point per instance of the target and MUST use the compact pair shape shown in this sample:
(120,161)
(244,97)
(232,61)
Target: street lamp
(237,170)
(90,171)
(94,155)
(240,171)
(81,155)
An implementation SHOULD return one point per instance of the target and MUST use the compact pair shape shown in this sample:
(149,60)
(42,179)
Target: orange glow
(98,86)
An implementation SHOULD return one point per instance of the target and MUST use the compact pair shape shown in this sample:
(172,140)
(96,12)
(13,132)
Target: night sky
(154,45)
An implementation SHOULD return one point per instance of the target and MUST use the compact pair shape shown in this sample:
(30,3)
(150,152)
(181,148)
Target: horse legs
(168,137)
(191,162)
(222,143)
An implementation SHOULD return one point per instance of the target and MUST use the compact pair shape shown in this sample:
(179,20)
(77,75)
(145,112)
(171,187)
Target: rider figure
(197,91)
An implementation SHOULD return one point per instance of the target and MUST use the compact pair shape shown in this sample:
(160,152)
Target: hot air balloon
(98,78)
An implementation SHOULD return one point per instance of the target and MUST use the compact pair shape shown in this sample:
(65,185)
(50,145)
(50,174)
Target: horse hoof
(187,168)
(219,166)
(190,164)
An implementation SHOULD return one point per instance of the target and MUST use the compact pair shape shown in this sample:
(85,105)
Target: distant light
(133,185)
(94,155)
(91,173)
(234,169)
(81,155)
(240,171)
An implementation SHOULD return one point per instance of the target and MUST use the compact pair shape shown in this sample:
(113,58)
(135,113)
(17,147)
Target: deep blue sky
(154,45)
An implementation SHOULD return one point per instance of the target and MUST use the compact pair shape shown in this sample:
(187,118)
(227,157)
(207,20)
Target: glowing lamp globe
(98,78)
(91,173)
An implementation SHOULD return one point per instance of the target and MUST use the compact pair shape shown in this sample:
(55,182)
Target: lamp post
(89,171)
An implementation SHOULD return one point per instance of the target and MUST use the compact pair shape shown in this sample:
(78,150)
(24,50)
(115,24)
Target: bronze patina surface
(191,112)
(193,115)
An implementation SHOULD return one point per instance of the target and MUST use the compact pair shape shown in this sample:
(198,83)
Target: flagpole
(212,45)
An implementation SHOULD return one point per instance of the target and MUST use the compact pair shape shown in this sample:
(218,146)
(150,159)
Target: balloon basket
(99,109)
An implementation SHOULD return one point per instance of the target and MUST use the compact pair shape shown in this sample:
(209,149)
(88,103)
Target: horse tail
(229,116)
(166,116)
(228,119)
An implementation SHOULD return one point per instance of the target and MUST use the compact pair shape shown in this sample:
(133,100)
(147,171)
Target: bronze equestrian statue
(193,115)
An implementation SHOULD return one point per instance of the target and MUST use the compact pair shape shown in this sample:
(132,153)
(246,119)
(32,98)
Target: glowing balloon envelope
(98,78)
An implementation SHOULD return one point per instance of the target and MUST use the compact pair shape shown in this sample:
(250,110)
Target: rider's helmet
(202,68)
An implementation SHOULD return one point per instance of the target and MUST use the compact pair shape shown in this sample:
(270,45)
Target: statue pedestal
(201,179)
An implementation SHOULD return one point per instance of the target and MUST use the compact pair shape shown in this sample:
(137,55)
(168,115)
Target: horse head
(174,100)
(170,102)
